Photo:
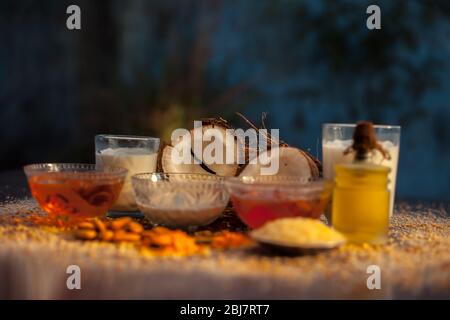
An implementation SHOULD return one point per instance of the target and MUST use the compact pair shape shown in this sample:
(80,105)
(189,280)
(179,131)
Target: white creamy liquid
(136,160)
(333,153)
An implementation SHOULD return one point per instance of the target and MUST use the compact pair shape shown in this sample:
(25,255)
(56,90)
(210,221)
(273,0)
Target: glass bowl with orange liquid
(260,199)
(73,192)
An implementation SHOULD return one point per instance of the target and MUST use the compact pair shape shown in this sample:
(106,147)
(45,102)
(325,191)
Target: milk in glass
(136,160)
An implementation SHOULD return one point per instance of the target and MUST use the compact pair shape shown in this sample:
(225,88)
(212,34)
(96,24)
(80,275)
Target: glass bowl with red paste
(73,191)
(260,199)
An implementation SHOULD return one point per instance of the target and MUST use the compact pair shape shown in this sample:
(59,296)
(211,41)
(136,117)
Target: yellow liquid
(361,204)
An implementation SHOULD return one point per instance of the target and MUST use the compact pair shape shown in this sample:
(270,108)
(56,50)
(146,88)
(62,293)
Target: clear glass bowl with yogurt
(137,154)
(180,200)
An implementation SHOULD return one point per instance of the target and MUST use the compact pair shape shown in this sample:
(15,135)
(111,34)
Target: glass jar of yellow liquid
(361,202)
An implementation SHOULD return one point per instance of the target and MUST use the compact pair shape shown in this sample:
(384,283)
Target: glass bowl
(180,199)
(74,191)
(265,198)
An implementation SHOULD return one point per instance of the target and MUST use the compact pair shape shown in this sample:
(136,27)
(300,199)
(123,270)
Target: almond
(120,223)
(86,225)
(121,235)
(85,234)
(135,227)
(107,235)
(160,230)
(162,240)
(100,225)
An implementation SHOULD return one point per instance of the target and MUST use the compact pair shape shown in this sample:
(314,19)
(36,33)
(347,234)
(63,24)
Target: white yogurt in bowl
(180,200)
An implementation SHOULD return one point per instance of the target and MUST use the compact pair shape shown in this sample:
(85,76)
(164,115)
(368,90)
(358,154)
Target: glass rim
(200,181)
(352,125)
(288,189)
(205,177)
(287,182)
(125,137)
(68,168)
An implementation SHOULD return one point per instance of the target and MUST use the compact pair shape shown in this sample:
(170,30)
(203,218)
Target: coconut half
(169,166)
(292,162)
(211,137)
(215,139)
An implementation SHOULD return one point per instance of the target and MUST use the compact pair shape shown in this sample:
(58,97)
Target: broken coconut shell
(292,161)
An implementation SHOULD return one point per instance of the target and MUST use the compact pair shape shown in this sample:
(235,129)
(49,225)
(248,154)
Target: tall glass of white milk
(135,153)
(336,137)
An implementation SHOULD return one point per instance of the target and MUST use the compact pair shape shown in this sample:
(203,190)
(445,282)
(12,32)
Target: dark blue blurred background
(147,67)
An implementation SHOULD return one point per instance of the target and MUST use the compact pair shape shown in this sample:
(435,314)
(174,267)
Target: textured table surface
(414,264)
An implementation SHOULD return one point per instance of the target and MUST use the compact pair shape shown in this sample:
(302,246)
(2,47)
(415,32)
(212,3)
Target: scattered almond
(135,227)
(106,235)
(120,230)
(120,223)
(85,234)
(99,225)
(86,225)
(159,240)
(124,236)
